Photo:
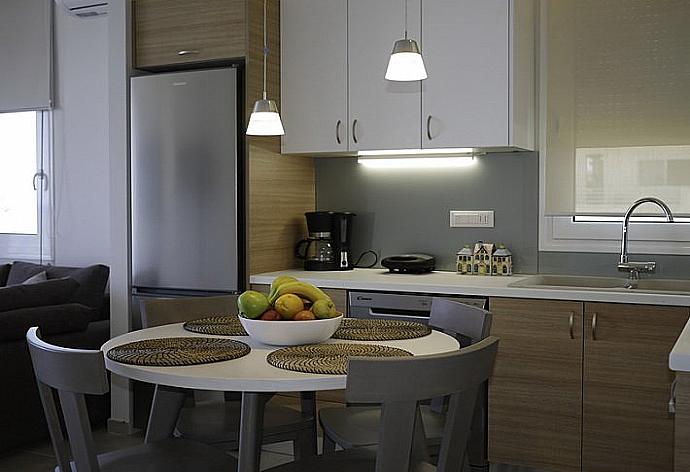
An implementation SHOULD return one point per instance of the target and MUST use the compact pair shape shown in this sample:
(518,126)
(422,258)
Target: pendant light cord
(405,2)
(265,51)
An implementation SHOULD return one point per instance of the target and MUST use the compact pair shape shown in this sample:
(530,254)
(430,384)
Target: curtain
(617,104)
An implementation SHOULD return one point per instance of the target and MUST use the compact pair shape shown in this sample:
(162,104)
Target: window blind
(617,105)
(25,55)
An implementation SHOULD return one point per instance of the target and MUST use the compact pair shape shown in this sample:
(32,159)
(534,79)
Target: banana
(278,281)
(302,289)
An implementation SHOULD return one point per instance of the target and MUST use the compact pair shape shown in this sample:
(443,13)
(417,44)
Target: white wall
(81,166)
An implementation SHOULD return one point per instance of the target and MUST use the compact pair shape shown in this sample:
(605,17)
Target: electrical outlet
(472,219)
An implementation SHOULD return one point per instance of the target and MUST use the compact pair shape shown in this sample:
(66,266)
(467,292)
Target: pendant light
(406,63)
(265,119)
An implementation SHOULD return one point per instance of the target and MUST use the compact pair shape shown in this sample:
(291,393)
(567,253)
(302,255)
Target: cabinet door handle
(672,401)
(337,131)
(594,327)
(428,128)
(187,52)
(571,325)
(354,131)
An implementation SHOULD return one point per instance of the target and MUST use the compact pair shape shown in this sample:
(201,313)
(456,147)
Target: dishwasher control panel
(400,306)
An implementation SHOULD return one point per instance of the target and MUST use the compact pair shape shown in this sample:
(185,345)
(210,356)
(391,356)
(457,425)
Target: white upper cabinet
(314,76)
(480,59)
(383,114)
(479,55)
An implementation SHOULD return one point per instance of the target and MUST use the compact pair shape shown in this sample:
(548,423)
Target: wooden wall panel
(280,188)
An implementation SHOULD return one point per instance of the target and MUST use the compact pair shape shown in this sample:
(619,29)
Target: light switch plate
(471,219)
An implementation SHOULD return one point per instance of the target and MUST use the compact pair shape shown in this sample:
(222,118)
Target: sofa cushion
(4,272)
(92,279)
(35,279)
(21,271)
(50,292)
(62,318)
(92,282)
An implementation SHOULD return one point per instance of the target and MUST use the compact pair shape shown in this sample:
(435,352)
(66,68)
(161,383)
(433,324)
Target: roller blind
(25,55)
(617,104)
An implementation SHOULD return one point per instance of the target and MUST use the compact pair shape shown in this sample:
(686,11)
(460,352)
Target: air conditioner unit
(84,8)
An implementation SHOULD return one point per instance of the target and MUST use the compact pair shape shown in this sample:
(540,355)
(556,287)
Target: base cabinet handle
(672,401)
(187,52)
(571,325)
(594,327)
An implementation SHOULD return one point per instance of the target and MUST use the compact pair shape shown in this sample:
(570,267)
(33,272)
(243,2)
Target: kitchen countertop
(450,283)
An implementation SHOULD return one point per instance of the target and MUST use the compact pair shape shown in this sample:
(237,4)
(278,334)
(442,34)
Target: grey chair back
(467,323)
(72,373)
(388,381)
(161,311)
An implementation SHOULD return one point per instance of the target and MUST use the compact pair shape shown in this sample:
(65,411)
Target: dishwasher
(417,307)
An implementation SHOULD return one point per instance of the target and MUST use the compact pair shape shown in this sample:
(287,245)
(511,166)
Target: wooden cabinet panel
(206,30)
(681,451)
(627,383)
(535,402)
(314,75)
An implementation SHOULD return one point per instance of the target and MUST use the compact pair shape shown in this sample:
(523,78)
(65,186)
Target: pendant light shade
(406,63)
(265,119)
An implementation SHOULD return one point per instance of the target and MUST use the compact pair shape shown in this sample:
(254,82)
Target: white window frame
(37,247)
(563,234)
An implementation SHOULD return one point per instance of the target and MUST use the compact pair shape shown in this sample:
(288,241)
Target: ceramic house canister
(481,258)
(502,261)
(464,260)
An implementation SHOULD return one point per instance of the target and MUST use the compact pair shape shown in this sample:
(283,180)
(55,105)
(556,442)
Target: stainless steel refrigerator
(186,184)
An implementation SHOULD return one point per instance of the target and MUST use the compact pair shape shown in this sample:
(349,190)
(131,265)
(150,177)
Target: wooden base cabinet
(627,386)
(589,394)
(535,402)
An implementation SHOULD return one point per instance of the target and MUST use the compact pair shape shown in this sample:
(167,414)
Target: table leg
(166,406)
(251,430)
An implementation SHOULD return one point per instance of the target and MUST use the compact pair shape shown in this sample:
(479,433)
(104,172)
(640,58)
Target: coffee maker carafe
(328,244)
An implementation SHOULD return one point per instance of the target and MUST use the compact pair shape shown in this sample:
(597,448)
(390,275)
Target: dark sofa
(72,310)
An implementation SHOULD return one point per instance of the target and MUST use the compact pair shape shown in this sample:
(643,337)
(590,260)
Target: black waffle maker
(409,263)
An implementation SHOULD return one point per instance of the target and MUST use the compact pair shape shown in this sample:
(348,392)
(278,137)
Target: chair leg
(328,444)
(167,403)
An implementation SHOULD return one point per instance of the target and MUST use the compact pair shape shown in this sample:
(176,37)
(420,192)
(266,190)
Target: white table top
(251,373)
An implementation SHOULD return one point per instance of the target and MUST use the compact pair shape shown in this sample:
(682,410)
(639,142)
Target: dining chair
(74,373)
(357,426)
(398,385)
(214,422)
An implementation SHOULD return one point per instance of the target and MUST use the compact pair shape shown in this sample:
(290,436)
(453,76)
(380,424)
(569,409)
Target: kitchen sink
(604,283)
(570,281)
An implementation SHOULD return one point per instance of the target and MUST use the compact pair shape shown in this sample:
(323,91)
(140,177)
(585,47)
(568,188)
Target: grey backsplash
(401,211)
(407,210)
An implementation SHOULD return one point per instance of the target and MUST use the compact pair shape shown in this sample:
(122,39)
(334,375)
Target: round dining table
(252,375)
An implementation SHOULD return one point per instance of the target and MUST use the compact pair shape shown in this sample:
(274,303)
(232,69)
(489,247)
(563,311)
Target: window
(25,198)
(614,114)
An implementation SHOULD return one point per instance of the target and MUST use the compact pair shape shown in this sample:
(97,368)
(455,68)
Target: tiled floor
(39,457)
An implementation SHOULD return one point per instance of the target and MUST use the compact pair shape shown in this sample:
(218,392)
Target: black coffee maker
(328,244)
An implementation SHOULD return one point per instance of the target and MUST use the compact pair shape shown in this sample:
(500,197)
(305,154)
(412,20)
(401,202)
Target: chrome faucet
(635,268)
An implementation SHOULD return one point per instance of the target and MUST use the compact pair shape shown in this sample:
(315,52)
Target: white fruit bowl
(291,333)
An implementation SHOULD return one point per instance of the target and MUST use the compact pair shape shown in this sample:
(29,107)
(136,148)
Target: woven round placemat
(356,329)
(327,358)
(169,352)
(217,325)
